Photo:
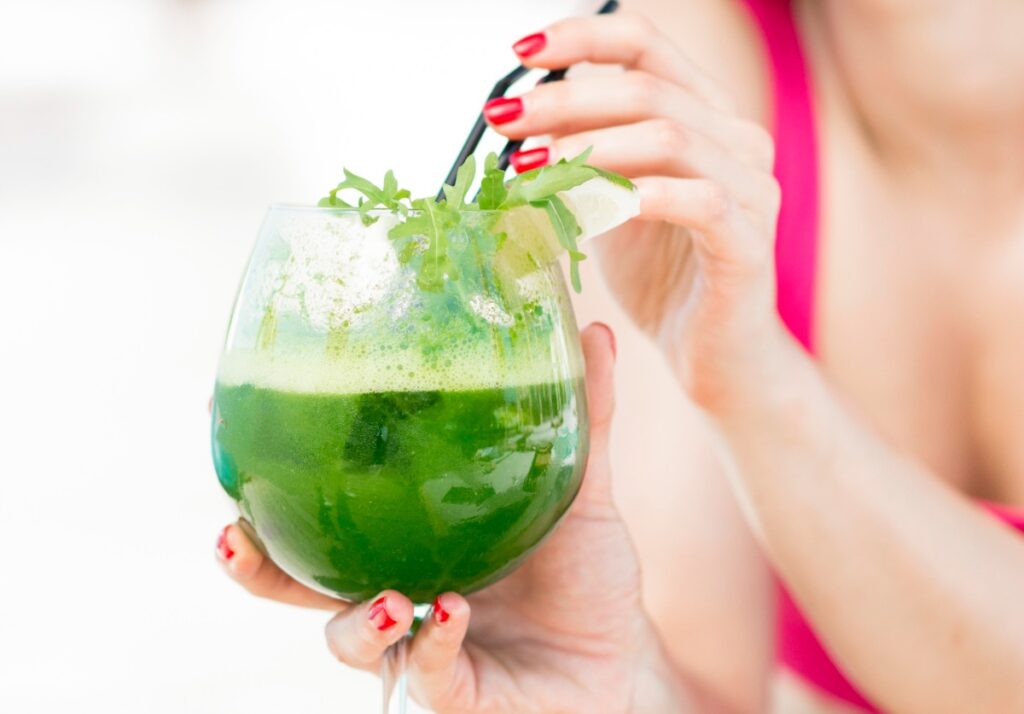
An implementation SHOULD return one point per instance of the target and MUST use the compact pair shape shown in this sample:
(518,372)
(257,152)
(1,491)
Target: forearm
(917,592)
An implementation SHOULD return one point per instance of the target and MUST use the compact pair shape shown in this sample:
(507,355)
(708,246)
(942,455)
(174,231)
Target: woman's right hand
(696,269)
(565,632)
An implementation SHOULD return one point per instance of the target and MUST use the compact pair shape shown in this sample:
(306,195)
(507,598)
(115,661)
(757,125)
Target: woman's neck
(938,85)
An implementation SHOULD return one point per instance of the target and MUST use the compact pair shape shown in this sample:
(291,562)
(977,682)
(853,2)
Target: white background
(140,142)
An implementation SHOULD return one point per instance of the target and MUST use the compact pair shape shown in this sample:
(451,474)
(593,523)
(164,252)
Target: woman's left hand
(696,269)
(565,632)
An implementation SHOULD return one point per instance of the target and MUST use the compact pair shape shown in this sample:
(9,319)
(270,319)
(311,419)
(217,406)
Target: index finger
(625,38)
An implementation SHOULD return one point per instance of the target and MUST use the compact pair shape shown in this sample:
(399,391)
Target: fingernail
(523,161)
(223,549)
(378,614)
(440,614)
(530,45)
(503,109)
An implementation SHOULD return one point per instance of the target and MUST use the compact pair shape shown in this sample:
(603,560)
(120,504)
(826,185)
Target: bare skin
(855,472)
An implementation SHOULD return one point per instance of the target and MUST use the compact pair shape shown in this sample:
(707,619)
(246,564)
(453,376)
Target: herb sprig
(388,196)
(428,223)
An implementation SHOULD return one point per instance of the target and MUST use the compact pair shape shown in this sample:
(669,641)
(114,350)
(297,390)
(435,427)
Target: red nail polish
(503,110)
(378,614)
(223,549)
(531,44)
(523,161)
(440,614)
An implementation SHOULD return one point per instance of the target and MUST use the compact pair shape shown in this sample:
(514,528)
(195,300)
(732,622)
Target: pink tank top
(796,168)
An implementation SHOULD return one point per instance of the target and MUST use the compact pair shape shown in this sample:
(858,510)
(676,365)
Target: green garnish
(567,230)
(388,196)
(429,223)
(455,196)
(492,186)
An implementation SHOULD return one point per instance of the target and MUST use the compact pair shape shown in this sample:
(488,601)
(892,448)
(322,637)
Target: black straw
(502,86)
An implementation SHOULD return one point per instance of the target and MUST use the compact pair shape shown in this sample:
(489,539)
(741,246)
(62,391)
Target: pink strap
(796,167)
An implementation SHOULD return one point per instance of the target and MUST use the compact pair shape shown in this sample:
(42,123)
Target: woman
(864,380)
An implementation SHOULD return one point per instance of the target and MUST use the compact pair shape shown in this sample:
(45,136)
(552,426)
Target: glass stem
(394,676)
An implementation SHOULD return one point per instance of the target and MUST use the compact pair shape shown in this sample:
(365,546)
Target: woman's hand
(565,632)
(696,269)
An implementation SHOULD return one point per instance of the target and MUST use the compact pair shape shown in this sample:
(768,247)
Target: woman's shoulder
(723,39)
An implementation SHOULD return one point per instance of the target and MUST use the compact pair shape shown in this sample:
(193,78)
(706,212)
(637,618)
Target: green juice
(422,491)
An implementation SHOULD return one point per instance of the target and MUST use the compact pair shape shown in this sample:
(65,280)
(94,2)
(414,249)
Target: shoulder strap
(796,166)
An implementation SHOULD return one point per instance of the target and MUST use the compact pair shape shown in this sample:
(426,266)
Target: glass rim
(338,210)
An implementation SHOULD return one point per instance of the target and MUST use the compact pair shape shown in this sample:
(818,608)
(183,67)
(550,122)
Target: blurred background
(140,143)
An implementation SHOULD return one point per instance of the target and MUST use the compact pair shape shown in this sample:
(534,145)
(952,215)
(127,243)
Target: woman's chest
(920,322)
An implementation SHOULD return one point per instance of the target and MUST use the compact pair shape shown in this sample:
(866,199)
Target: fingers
(662,147)
(721,230)
(665,145)
(359,635)
(625,39)
(250,568)
(441,674)
(592,103)
(589,103)
(599,352)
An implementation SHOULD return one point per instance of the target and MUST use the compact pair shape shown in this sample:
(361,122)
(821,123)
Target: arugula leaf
(617,179)
(363,186)
(388,196)
(364,212)
(393,195)
(492,186)
(581,158)
(432,222)
(331,200)
(540,183)
(567,230)
(427,221)
(428,228)
(455,196)
(390,183)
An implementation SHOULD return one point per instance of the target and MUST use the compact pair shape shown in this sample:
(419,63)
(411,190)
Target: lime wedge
(598,205)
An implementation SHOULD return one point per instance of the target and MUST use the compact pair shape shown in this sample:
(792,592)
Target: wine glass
(399,409)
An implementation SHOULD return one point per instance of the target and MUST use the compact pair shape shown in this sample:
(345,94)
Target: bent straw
(499,89)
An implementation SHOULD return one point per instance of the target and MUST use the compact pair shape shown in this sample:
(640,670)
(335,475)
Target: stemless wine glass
(399,410)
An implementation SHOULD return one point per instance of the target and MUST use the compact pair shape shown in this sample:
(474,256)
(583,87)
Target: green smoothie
(421,490)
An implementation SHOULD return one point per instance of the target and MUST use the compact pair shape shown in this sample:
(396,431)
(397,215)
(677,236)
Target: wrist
(756,376)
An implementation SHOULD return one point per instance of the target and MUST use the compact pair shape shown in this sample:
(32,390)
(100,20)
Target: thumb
(599,351)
